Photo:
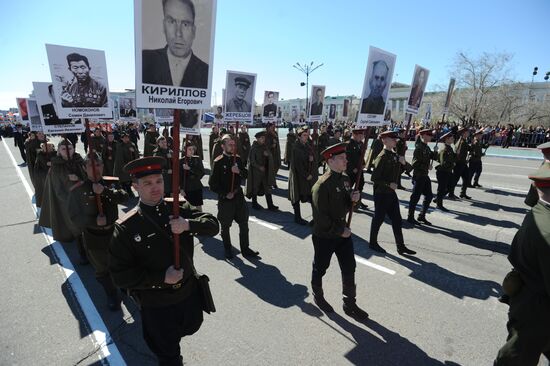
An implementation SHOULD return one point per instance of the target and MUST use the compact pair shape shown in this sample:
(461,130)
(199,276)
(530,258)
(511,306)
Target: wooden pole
(176,183)
(234,161)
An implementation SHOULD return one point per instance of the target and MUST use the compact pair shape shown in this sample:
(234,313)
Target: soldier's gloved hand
(235,169)
(49,163)
(97,188)
(169,156)
(230,195)
(179,225)
(346,233)
(182,192)
(186,167)
(402,160)
(355,196)
(393,186)
(173,275)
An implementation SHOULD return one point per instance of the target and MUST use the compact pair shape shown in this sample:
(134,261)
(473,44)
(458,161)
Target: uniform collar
(152,209)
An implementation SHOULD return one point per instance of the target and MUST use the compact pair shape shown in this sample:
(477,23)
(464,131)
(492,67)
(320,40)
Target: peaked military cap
(541,177)
(142,167)
(243,81)
(388,134)
(302,129)
(426,131)
(448,134)
(334,150)
(260,134)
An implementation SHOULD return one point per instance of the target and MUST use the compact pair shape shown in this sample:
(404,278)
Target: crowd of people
(79,198)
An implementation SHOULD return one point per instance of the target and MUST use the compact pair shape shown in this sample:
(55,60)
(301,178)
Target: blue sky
(268,37)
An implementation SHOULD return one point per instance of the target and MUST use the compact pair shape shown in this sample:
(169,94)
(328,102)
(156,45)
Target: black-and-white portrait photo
(420,79)
(164,115)
(218,117)
(294,114)
(376,86)
(174,47)
(345,108)
(46,100)
(271,98)
(317,99)
(190,123)
(332,112)
(33,115)
(239,98)
(79,78)
(127,108)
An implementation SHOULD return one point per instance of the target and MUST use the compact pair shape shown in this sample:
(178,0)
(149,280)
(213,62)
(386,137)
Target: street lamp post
(306,69)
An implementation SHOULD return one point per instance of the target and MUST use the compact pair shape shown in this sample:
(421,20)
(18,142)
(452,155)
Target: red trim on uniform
(542,183)
(145,168)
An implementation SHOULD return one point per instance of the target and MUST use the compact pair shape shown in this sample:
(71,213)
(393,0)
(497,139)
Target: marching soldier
(355,167)
(97,229)
(195,140)
(336,138)
(150,141)
(302,173)
(290,140)
(422,185)
(323,139)
(528,285)
(31,145)
(225,180)
(214,135)
(162,151)
(108,154)
(126,152)
(375,148)
(217,148)
(191,173)
(475,165)
(41,169)
(272,143)
(141,260)
(261,173)
(401,149)
(462,148)
(444,171)
(243,143)
(331,200)
(97,141)
(532,197)
(384,176)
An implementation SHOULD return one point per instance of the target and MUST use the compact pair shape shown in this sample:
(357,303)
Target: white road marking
(510,189)
(100,334)
(374,265)
(263,223)
(509,166)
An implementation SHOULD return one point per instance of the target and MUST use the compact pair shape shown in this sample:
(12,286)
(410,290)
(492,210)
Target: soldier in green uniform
(214,135)
(422,185)
(97,141)
(261,172)
(191,173)
(272,143)
(460,170)
(97,229)
(302,173)
(528,285)
(444,171)
(375,148)
(401,149)
(31,146)
(387,168)
(336,138)
(126,151)
(331,200)
(243,143)
(225,180)
(290,140)
(108,154)
(475,165)
(355,166)
(41,169)
(162,151)
(141,259)
(150,141)
(532,197)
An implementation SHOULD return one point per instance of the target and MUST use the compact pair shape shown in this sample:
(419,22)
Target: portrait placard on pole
(48,111)
(269,111)
(23,109)
(316,103)
(420,79)
(239,99)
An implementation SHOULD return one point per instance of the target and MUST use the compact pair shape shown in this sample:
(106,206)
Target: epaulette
(126,216)
(110,179)
(171,199)
(76,185)
(325,176)
(219,157)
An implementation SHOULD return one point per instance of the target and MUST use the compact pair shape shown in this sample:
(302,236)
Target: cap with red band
(334,150)
(541,177)
(145,166)
(544,148)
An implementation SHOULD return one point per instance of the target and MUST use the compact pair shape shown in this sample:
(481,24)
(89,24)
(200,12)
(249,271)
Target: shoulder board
(171,199)
(219,157)
(76,185)
(126,216)
(110,179)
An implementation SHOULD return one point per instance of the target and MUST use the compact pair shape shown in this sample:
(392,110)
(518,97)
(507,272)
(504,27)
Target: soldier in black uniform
(108,154)
(165,153)
(447,160)
(97,229)
(332,198)
(387,168)
(243,143)
(528,285)
(475,166)
(422,185)
(462,148)
(353,155)
(225,180)
(141,259)
(290,140)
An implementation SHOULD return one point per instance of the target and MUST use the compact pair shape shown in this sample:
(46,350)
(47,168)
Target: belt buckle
(176,286)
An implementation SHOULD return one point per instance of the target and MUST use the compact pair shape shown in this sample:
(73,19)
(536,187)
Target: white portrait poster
(449,95)
(174,44)
(79,78)
(127,110)
(376,87)
(269,110)
(316,103)
(420,79)
(239,96)
(49,113)
(33,115)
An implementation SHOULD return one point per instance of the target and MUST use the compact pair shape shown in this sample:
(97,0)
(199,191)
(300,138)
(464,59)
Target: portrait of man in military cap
(317,98)
(239,97)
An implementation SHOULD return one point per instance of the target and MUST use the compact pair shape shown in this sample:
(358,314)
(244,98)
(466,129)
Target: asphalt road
(438,308)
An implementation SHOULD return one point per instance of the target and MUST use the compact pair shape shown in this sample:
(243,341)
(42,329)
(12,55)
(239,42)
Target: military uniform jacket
(447,159)
(530,252)
(272,142)
(139,253)
(462,148)
(422,159)
(323,143)
(108,155)
(532,195)
(376,147)
(97,143)
(303,164)
(82,207)
(190,180)
(41,169)
(211,141)
(290,140)
(331,202)
(353,155)
(86,94)
(150,143)
(259,182)
(401,147)
(166,169)
(476,151)
(243,145)
(125,153)
(386,171)
(220,177)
